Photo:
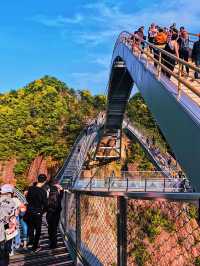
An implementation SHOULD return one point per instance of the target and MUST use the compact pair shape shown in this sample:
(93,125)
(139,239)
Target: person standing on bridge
(160,42)
(172,48)
(53,211)
(153,31)
(183,42)
(196,56)
(37,205)
(141,37)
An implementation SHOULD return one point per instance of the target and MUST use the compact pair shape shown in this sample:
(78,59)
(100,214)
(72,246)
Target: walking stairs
(56,257)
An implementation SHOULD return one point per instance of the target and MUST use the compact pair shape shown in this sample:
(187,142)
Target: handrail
(194,34)
(146,181)
(183,62)
(62,168)
(125,37)
(105,216)
(182,196)
(60,171)
(140,136)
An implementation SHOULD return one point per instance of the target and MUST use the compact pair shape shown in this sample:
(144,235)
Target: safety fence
(149,229)
(75,160)
(160,157)
(143,181)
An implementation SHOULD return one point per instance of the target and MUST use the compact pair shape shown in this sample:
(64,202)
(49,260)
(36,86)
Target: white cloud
(111,19)
(100,22)
(58,21)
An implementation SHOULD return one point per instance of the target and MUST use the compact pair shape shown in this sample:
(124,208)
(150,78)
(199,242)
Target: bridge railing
(161,157)
(161,62)
(113,228)
(77,165)
(144,181)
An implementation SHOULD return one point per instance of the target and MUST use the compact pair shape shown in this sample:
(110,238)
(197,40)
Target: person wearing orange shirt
(160,42)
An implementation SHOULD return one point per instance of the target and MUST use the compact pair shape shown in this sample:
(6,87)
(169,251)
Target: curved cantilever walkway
(159,160)
(178,117)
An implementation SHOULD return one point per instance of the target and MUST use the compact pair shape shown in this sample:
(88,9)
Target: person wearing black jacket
(196,56)
(53,211)
(37,205)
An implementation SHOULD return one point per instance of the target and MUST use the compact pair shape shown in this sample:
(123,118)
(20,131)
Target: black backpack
(5,249)
(198,48)
(53,200)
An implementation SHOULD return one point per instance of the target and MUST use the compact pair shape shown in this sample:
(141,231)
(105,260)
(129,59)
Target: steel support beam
(121,231)
(78,226)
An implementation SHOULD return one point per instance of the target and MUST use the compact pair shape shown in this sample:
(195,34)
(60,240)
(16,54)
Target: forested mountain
(43,118)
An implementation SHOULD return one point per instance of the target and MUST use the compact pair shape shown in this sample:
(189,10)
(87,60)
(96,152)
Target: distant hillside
(42,120)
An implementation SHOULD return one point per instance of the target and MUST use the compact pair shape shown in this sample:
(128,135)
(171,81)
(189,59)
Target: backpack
(198,48)
(5,249)
(183,44)
(196,51)
(53,200)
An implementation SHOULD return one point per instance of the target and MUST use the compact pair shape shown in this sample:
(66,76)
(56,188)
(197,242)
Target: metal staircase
(55,257)
(86,140)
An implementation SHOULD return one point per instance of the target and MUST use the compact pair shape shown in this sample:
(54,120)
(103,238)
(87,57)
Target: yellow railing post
(159,64)
(147,54)
(179,79)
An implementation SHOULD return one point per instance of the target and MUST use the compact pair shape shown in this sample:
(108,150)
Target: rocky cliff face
(40,165)
(7,171)
(163,233)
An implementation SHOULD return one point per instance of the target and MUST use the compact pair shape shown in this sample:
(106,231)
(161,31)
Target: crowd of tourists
(172,40)
(21,217)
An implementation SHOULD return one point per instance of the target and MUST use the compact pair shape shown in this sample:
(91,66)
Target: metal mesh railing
(163,233)
(135,229)
(159,155)
(71,216)
(143,181)
(98,230)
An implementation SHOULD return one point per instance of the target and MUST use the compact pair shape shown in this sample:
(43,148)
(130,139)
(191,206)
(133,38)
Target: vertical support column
(126,184)
(145,185)
(120,143)
(159,65)
(179,82)
(121,231)
(164,185)
(78,226)
(147,54)
(66,211)
(199,212)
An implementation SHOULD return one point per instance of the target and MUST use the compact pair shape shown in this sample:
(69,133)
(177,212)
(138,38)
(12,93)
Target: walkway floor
(57,257)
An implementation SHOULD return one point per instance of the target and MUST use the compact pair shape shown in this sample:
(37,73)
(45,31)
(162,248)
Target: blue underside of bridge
(179,125)
(120,88)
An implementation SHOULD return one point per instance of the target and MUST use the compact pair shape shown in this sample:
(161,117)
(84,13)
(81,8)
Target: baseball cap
(7,188)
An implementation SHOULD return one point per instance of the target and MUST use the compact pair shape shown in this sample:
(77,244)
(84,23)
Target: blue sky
(73,40)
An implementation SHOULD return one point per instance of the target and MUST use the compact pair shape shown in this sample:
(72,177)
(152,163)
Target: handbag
(10,234)
(11,231)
